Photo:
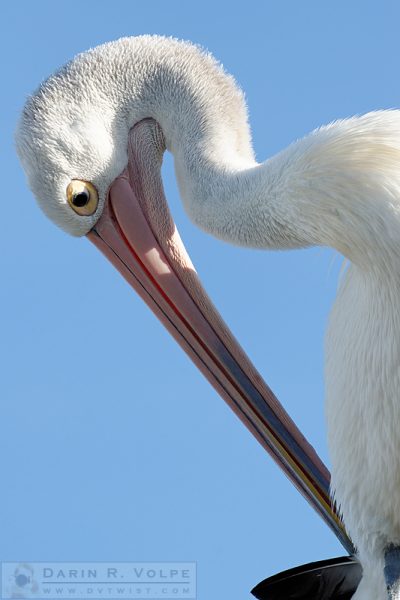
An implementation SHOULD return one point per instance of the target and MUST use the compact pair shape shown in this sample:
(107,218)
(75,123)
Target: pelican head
(76,125)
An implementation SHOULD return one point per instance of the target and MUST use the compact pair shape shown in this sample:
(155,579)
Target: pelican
(91,140)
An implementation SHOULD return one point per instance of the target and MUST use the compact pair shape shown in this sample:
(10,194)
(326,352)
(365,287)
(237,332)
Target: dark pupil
(80,199)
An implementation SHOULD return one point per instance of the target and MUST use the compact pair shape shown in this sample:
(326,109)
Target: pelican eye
(82,197)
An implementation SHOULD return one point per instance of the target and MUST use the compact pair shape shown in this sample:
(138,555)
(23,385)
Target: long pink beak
(137,234)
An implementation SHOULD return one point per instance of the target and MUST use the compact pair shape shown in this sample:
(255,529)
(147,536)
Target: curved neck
(326,189)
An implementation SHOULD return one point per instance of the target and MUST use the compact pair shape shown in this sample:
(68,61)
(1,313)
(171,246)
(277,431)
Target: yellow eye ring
(82,197)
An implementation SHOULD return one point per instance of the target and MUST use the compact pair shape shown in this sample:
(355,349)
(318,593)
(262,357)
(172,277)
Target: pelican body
(337,187)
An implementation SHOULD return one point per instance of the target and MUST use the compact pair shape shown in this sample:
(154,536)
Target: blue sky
(113,446)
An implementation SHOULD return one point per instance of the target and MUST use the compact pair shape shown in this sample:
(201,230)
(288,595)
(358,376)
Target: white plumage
(338,187)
